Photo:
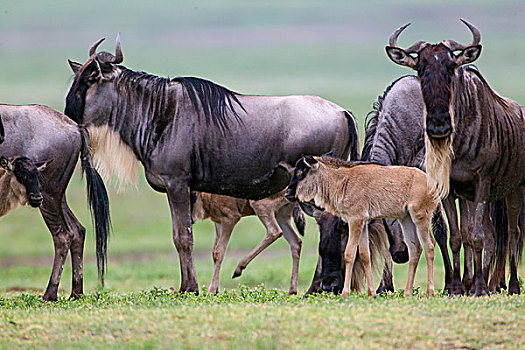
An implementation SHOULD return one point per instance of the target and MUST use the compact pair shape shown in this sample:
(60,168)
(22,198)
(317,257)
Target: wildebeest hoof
(514,287)
(292,292)
(345,294)
(74,296)
(385,289)
(49,297)
(481,291)
(237,272)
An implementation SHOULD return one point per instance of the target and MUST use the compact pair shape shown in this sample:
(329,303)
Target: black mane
(214,100)
(338,162)
(372,118)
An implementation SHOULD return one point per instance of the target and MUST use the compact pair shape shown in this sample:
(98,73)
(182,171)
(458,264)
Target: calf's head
(27,174)
(304,167)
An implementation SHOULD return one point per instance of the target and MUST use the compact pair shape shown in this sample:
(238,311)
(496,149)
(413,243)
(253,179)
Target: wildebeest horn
(476,38)
(395,35)
(476,35)
(93,49)
(118,52)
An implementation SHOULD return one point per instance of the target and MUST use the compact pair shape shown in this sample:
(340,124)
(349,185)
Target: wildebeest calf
(358,192)
(19,183)
(275,213)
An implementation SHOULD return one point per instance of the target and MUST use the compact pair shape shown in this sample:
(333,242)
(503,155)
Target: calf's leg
(354,233)
(222,237)
(284,219)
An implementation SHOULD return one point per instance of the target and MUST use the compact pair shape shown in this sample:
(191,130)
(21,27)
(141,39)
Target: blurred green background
(334,49)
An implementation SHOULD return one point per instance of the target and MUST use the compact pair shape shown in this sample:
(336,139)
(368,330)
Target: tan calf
(358,192)
(275,212)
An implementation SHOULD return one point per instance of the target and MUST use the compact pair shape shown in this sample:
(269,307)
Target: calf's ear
(41,166)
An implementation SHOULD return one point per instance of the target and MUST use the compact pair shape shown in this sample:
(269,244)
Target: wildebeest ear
(468,55)
(4,163)
(41,166)
(400,57)
(311,210)
(75,66)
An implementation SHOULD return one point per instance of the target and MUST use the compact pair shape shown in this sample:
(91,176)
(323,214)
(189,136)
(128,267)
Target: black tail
(2,132)
(298,218)
(98,204)
(353,137)
(501,242)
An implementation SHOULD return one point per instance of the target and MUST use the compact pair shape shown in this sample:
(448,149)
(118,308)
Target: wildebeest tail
(298,218)
(353,137)
(501,242)
(378,254)
(98,204)
(2,132)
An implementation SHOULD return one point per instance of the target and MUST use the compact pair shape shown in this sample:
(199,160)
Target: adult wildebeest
(43,134)
(2,132)
(473,140)
(19,183)
(358,192)
(191,134)
(275,212)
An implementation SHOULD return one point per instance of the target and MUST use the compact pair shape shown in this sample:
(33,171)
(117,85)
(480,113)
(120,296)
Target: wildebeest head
(26,173)
(303,166)
(93,81)
(436,65)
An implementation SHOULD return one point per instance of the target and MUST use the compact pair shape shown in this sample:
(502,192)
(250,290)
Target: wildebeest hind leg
(285,222)
(54,218)
(179,200)
(222,237)
(354,233)
(273,231)
(414,252)
(453,287)
(514,204)
(364,256)
(77,251)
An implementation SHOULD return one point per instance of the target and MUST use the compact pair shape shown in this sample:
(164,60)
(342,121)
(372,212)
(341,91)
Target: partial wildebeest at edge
(19,183)
(60,141)
(358,192)
(191,134)
(474,142)
(2,132)
(275,212)
(329,276)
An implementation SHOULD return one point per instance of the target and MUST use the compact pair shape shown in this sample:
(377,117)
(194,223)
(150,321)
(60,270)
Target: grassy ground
(333,49)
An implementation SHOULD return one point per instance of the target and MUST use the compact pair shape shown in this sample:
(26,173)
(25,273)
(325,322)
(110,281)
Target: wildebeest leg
(455,287)
(315,286)
(179,200)
(77,250)
(422,224)
(285,222)
(466,226)
(354,233)
(514,204)
(222,237)
(364,255)
(488,246)
(51,210)
(273,231)
(477,236)
(414,252)
(441,239)
(387,284)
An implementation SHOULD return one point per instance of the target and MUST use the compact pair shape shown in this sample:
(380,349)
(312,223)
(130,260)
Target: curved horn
(93,49)
(118,51)
(476,35)
(394,36)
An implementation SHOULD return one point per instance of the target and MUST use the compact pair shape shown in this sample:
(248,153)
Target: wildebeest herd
(223,155)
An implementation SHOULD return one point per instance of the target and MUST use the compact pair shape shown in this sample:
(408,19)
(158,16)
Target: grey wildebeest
(192,134)
(19,183)
(275,212)
(358,192)
(473,139)
(43,134)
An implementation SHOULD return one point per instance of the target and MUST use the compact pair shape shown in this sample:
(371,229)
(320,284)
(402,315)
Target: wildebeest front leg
(222,237)
(364,255)
(54,218)
(466,226)
(354,233)
(477,236)
(387,284)
(180,206)
(77,251)
(315,286)
(414,252)
(455,287)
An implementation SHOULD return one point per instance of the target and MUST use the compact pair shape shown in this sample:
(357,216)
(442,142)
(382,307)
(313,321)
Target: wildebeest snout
(35,199)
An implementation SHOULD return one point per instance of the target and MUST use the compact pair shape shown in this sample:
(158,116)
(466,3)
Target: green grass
(334,49)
